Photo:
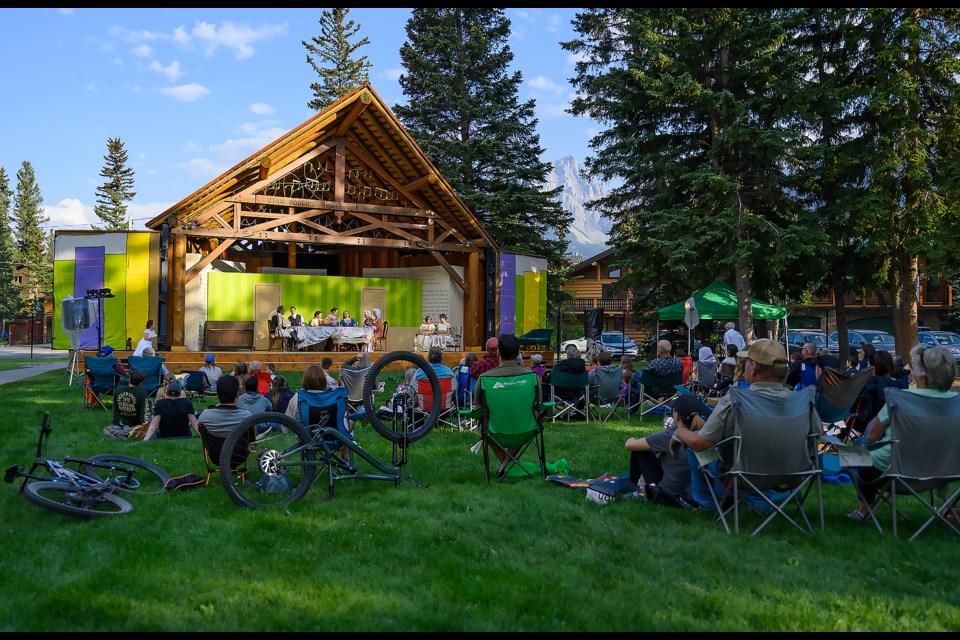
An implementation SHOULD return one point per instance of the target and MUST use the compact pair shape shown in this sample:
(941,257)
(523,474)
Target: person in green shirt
(932,372)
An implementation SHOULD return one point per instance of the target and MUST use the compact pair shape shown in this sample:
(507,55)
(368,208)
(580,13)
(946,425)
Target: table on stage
(307,336)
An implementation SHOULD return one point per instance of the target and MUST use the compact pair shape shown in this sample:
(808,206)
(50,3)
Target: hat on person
(173,389)
(687,405)
(492,344)
(106,350)
(210,358)
(766,352)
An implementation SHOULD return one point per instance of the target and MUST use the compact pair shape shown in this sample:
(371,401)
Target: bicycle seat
(12,473)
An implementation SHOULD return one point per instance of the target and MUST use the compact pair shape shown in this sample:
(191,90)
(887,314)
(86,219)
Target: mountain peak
(589,231)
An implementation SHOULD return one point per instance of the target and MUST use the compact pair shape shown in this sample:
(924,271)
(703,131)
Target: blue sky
(191,92)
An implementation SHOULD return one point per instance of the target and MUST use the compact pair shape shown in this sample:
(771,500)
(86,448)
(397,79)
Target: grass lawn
(9,364)
(445,553)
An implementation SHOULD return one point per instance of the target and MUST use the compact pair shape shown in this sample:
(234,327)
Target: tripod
(74,365)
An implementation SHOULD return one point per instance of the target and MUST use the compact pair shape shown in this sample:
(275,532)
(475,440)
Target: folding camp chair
(705,384)
(100,379)
(449,411)
(510,419)
(657,391)
(609,402)
(151,368)
(195,385)
(836,393)
(353,380)
(771,462)
(569,392)
(212,447)
(924,441)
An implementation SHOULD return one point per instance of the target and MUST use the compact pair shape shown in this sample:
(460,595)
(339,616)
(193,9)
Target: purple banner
(508,292)
(88,274)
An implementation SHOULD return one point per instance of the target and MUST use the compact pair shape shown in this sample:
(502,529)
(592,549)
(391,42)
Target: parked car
(859,337)
(580,342)
(950,340)
(796,339)
(616,343)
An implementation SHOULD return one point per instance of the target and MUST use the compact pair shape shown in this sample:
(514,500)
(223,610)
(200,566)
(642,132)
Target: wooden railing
(939,296)
(579,305)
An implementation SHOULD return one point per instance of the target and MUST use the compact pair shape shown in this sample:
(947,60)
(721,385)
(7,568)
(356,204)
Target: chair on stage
(274,332)
(381,342)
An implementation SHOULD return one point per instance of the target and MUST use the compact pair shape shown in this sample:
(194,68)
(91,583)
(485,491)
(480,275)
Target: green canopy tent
(718,301)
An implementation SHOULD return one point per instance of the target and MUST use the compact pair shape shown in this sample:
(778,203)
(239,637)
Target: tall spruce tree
(32,243)
(339,71)
(113,194)
(463,109)
(699,133)
(10,303)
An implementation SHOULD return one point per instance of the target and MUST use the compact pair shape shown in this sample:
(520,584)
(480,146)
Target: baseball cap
(766,352)
(209,358)
(173,388)
(491,344)
(687,405)
(106,350)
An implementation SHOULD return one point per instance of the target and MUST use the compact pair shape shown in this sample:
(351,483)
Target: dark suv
(859,337)
(796,339)
(948,339)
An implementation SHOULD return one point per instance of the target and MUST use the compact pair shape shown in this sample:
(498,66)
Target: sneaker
(856,515)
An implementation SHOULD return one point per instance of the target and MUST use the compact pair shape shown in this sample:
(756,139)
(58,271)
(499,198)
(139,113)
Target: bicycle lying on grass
(90,490)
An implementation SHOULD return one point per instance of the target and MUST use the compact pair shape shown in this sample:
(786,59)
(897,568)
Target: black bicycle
(90,490)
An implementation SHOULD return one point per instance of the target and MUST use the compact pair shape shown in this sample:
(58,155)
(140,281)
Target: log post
(473,317)
(178,265)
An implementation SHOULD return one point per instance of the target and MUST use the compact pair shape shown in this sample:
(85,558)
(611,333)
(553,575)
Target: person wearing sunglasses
(932,373)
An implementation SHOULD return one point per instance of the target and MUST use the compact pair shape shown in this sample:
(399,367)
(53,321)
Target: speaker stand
(74,366)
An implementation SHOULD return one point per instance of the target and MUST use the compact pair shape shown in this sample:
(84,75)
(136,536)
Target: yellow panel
(531,301)
(138,283)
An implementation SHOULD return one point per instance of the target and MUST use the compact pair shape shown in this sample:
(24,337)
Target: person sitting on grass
(327,364)
(130,405)
(222,419)
(173,416)
(252,400)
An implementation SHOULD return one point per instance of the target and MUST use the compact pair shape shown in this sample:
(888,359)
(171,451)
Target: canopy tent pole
(786,329)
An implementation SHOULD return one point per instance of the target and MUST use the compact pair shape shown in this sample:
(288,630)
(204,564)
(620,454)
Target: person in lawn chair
(105,352)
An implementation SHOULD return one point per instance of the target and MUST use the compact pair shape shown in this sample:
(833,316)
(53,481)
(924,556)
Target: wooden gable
(350,177)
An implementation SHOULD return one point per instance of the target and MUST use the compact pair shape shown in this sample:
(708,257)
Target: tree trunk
(744,301)
(840,304)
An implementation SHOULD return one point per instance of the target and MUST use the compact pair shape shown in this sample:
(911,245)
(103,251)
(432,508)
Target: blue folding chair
(100,379)
(151,368)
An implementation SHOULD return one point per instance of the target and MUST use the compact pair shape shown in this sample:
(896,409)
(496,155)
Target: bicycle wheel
(65,498)
(400,429)
(147,478)
(276,469)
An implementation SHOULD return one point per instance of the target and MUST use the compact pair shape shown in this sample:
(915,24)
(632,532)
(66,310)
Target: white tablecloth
(307,336)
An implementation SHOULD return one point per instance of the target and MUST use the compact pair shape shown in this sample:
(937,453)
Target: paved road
(41,355)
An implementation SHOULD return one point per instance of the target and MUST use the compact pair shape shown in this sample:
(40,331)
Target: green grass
(9,364)
(454,555)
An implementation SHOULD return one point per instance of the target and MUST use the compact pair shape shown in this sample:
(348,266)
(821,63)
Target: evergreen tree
(701,129)
(10,303)
(463,109)
(339,72)
(116,191)
(32,243)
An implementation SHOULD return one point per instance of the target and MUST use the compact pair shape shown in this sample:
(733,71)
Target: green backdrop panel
(520,303)
(115,329)
(62,287)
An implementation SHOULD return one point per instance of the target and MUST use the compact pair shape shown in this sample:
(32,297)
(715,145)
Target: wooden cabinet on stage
(228,334)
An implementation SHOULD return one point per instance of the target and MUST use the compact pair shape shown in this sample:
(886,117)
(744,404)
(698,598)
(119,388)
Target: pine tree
(116,191)
(10,303)
(339,72)
(463,109)
(32,243)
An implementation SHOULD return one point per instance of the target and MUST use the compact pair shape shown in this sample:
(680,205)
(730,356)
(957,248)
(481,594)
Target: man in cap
(107,351)
(173,417)
(765,369)
(211,370)
(487,362)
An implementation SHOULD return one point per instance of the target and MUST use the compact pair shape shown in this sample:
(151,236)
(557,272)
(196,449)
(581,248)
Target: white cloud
(392,74)
(221,157)
(91,87)
(65,11)
(142,51)
(546,84)
(141,214)
(262,109)
(192,147)
(237,37)
(553,110)
(172,71)
(185,92)
(69,212)
(201,168)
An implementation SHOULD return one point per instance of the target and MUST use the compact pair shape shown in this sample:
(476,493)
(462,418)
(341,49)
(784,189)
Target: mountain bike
(88,491)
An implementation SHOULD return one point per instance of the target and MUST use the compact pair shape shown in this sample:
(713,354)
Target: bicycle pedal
(12,473)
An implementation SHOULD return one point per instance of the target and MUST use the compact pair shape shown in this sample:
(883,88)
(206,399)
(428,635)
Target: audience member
(867,351)
(872,398)
(488,361)
(804,373)
(572,364)
(604,365)
(222,419)
(148,352)
(435,359)
(252,400)
(933,371)
(167,379)
(327,364)
(240,369)
(173,416)
(130,406)
(734,337)
(687,362)
(403,396)
(211,370)
(663,365)
(536,365)
(280,394)
(508,347)
(107,351)
(263,377)
(661,475)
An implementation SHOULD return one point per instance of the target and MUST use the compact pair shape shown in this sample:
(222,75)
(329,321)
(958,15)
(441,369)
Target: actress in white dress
(442,337)
(149,335)
(422,341)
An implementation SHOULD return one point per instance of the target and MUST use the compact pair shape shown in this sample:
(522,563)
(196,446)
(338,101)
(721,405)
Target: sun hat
(766,352)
